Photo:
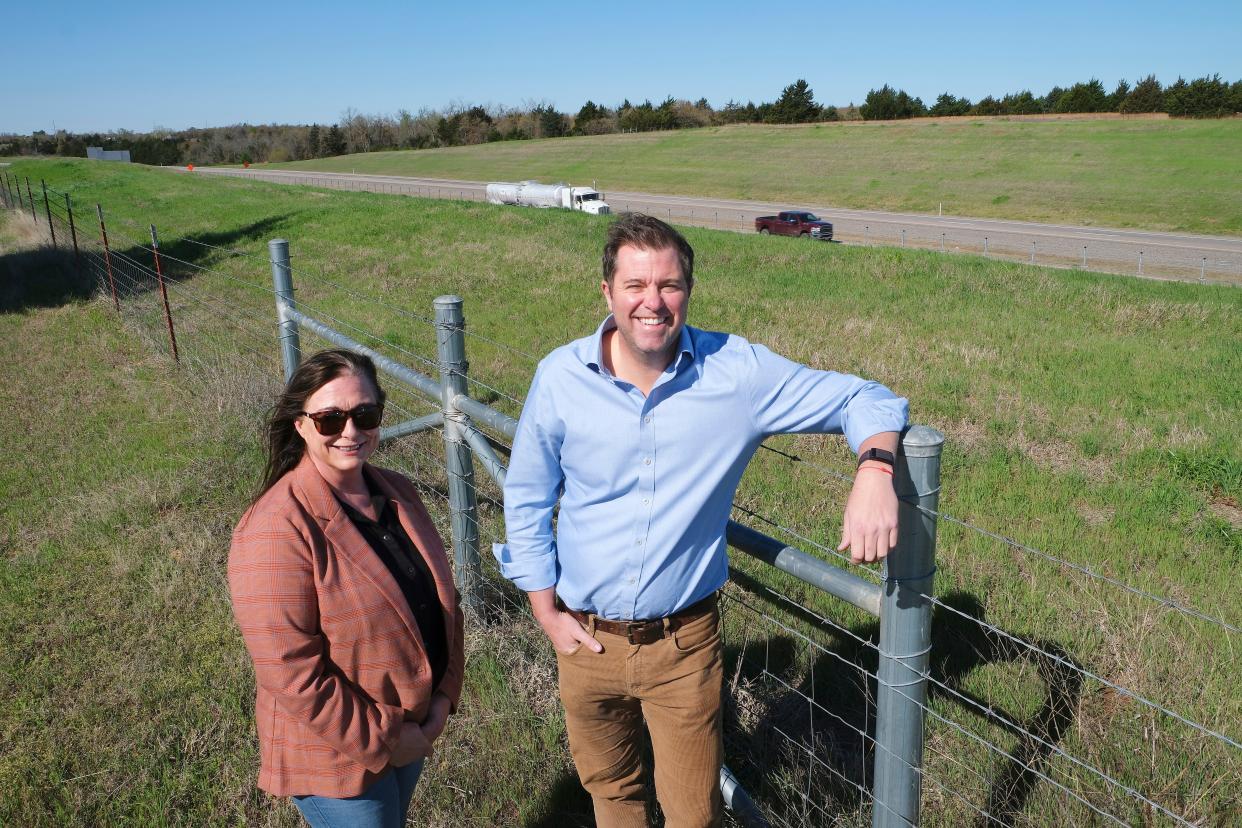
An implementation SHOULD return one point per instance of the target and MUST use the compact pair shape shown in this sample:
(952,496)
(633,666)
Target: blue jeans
(383,805)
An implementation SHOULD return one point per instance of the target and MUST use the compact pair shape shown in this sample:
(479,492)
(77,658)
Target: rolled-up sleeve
(532,485)
(787,397)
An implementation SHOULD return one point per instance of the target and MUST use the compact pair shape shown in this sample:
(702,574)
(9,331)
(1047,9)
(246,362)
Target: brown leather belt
(643,632)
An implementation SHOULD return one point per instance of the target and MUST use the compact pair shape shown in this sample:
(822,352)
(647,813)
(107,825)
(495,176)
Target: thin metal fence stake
(103,231)
(985,245)
(1202,269)
(159,274)
(73,231)
(905,633)
(1084,257)
(463,508)
(30,195)
(282,281)
(1140,270)
(1032,251)
(47,206)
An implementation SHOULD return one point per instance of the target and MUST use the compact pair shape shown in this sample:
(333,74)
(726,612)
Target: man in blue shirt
(642,431)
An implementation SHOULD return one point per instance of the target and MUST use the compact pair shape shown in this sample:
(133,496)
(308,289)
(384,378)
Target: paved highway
(1136,252)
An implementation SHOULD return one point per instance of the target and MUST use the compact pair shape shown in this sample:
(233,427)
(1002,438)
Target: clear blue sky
(101,66)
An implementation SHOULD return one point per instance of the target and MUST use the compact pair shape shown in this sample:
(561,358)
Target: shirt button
(638,542)
(646,461)
(646,501)
(647,419)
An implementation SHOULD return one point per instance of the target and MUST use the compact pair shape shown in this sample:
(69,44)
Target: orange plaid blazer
(338,658)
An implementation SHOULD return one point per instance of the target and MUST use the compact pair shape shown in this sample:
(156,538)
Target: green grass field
(1091,416)
(1146,174)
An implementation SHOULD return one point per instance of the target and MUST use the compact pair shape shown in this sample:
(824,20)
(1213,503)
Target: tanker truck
(534,194)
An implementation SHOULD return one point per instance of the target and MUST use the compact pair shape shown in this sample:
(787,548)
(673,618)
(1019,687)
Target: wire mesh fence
(1108,722)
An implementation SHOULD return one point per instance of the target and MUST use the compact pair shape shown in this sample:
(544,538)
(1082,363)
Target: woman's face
(339,457)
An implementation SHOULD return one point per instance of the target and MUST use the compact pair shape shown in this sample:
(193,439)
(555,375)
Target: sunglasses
(332,422)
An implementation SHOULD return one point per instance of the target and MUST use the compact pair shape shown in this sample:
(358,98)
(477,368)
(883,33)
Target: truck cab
(795,223)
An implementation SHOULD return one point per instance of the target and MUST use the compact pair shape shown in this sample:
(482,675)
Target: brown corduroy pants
(674,685)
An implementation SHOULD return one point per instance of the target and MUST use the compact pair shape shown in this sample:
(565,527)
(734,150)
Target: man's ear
(604,289)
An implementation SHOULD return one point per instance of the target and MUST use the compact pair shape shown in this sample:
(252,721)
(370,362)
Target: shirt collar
(595,351)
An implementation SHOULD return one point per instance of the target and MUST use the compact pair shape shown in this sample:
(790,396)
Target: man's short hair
(646,233)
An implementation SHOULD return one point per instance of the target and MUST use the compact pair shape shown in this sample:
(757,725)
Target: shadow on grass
(567,805)
(46,276)
(805,748)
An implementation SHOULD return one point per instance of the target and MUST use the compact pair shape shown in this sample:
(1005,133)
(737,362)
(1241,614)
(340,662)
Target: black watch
(877,454)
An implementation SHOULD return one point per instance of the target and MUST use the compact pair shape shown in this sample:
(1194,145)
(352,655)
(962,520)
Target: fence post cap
(447,301)
(274,243)
(922,441)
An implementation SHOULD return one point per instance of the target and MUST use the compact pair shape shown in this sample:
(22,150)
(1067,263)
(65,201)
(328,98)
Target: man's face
(649,298)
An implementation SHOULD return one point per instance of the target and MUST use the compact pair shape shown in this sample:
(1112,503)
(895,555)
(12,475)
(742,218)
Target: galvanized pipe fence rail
(221,331)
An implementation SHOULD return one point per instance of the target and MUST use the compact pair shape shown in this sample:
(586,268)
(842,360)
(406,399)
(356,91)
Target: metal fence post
(905,633)
(5,192)
(47,206)
(159,274)
(282,281)
(103,231)
(73,230)
(451,351)
(30,195)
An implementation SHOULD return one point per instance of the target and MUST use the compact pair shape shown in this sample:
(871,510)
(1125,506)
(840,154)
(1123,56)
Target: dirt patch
(1096,515)
(1226,508)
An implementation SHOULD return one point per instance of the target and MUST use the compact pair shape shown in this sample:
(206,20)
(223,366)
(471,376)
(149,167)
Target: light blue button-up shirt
(646,484)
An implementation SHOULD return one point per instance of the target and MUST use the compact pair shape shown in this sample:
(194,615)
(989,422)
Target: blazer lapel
(349,543)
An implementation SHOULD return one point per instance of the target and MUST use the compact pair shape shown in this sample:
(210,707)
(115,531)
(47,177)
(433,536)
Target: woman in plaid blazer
(347,606)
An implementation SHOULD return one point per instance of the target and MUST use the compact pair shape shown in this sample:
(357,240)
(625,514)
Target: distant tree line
(1207,97)
(458,124)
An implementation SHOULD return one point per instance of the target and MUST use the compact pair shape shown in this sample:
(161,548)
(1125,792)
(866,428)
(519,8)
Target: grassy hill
(1090,416)
(1147,174)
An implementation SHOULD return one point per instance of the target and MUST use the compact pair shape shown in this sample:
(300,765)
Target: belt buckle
(644,632)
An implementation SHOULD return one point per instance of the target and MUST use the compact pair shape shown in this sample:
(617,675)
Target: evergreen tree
(988,106)
(335,143)
(1202,98)
(551,123)
(1118,97)
(886,104)
(947,104)
(1174,98)
(312,141)
(1021,103)
(1049,103)
(796,105)
(1083,97)
(1146,96)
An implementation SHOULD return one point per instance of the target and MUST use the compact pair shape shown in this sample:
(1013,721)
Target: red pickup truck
(795,223)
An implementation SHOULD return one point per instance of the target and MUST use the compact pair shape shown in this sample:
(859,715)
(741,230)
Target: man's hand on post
(561,628)
(869,528)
